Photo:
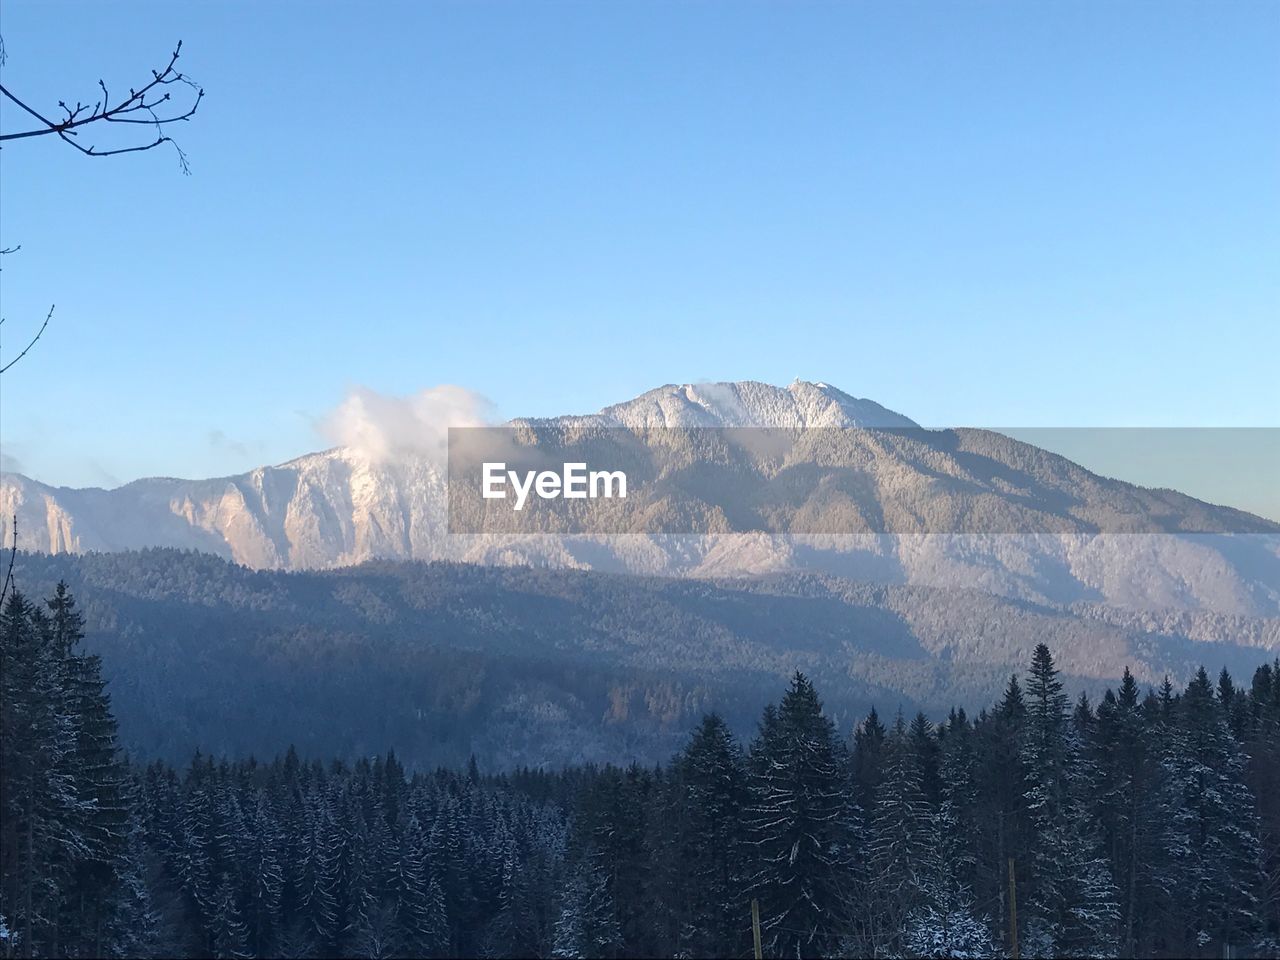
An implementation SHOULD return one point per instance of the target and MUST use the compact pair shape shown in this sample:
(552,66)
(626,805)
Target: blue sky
(983,213)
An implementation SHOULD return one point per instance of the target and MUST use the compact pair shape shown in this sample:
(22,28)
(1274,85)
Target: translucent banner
(558,478)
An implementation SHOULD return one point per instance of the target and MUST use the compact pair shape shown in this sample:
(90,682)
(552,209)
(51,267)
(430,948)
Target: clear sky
(1010,213)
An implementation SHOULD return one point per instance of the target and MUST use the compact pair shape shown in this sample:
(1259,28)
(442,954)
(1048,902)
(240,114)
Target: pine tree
(959,807)
(377,932)
(1262,748)
(315,884)
(413,909)
(802,828)
(588,924)
(446,855)
(43,819)
(868,759)
(928,753)
(942,921)
(137,921)
(949,922)
(1124,748)
(228,936)
(1221,868)
(899,837)
(94,766)
(435,921)
(1002,818)
(1070,903)
(266,879)
(191,864)
(712,784)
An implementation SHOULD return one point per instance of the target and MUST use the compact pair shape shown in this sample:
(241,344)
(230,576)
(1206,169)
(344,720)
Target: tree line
(1144,825)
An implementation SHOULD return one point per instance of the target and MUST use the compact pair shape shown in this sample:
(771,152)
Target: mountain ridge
(339,507)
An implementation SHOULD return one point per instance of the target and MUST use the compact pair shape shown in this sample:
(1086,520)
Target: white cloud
(382,427)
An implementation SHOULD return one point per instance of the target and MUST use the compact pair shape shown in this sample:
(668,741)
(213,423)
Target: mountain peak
(749,403)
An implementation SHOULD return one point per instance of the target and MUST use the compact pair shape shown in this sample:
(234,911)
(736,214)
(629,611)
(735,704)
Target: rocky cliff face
(337,508)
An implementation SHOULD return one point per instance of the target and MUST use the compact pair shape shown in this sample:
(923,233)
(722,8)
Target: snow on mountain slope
(750,404)
(340,507)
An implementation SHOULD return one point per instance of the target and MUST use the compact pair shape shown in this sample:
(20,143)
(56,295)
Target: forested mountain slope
(546,667)
(1146,825)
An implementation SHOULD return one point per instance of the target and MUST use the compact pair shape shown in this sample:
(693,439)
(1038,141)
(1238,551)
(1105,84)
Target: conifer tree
(412,909)
(868,759)
(943,921)
(1221,870)
(228,936)
(44,823)
(136,928)
(588,923)
(802,828)
(94,766)
(315,884)
(712,782)
(1070,903)
(958,810)
(1002,816)
(266,880)
(900,832)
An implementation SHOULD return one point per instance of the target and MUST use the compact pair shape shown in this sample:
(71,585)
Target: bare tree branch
(48,316)
(145,106)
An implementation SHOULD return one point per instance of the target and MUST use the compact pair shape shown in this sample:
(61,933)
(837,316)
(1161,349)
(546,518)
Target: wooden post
(1013,912)
(755,927)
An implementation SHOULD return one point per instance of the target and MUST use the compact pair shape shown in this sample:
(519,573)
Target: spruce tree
(1221,870)
(942,920)
(44,832)
(315,884)
(712,783)
(1002,817)
(588,924)
(412,908)
(868,759)
(94,766)
(229,938)
(137,930)
(802,828)
(1070,906)
(899,837)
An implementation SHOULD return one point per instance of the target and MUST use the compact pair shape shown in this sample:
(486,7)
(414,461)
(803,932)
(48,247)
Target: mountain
(523,666)
(742,404)
(967,509)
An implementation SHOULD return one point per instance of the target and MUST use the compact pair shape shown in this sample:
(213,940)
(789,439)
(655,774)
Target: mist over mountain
(349,505)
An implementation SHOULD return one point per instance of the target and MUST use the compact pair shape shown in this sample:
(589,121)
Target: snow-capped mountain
(744,404)
(340,507)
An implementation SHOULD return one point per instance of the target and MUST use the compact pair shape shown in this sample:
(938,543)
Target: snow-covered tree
(588,923)
(803,828)
(899,838)
(711,781)
(1070,903)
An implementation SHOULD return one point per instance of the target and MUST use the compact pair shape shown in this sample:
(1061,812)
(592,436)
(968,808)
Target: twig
(47,318)
(139,107)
